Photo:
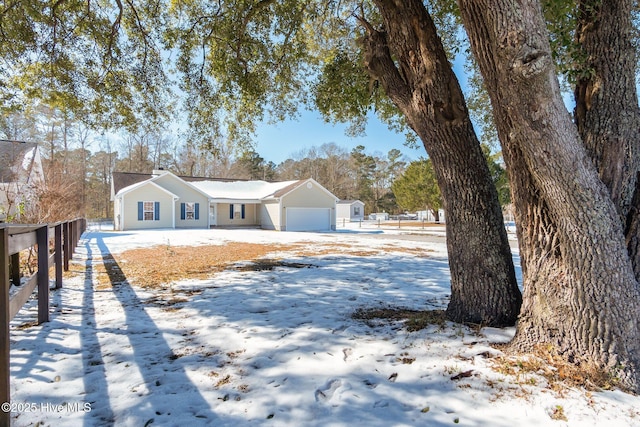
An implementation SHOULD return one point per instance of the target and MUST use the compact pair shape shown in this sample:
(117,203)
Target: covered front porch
(236,213)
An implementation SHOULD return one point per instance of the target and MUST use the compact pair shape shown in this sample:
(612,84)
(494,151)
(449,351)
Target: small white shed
(349,210)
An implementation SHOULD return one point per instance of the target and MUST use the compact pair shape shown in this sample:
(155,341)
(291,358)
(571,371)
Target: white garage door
(308,219)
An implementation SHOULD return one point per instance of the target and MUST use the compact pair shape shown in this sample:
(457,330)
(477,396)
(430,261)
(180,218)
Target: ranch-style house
(164,200)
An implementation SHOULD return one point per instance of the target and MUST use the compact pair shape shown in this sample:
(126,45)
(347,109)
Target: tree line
(78,164)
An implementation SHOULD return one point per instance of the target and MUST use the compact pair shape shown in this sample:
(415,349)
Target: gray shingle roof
(125,179)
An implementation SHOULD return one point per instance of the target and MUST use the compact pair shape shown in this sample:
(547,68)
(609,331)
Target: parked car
(379,215)
(407,215)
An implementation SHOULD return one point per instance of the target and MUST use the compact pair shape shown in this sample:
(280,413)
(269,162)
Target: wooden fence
(16,238)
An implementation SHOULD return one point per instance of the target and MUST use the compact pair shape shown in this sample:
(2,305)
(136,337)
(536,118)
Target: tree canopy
(231,64)
(417,189)
(99,61)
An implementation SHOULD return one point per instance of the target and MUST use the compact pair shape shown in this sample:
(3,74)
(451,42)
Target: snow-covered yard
(275,346)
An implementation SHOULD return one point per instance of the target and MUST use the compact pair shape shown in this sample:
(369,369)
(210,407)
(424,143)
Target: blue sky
(278,142)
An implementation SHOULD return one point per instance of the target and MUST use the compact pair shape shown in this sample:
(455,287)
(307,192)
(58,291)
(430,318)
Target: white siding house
(182,202)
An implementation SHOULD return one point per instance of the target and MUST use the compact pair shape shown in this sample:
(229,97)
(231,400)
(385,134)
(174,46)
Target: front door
(212,215)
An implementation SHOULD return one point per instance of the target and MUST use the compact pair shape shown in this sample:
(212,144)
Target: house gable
(128,209)
(21,177)
(306,193)
(306,198)
(19,162)
(179,186)
(183,206)
(192,204)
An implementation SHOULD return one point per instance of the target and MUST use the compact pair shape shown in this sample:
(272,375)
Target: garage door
(308,219)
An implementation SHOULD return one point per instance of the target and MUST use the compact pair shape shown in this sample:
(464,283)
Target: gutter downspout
(173,211)
(121,213)
(209,213)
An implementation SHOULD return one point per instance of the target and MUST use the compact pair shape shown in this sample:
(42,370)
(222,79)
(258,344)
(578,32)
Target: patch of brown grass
(103,273)
(337,250)
(414,320)
(421,252)
(405,358)
(201,351)
(153,267)
(557,413)
(269,264)
(359,251)
(223,381)
(158,266)
(27,325)
(555,369)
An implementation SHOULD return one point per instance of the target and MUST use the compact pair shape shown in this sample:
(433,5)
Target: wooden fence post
(5,318)
(67,243)
(72,238)
(14,261)
(42,239)
(57,259)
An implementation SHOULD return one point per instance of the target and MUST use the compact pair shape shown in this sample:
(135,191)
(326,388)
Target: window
(189,211)
(236,211)
(148,211)
(356,210)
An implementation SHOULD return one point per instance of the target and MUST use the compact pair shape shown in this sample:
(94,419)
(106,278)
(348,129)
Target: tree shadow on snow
(94,373)
(165,377)
(290,330)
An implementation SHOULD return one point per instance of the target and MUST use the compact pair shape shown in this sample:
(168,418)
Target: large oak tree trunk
(607,112)
(581,296)
(408,59)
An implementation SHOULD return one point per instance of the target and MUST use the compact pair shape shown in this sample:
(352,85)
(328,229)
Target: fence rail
(13,240)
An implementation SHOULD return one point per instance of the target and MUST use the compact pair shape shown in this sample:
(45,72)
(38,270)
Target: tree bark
(436,215)
(607,112)
(409,61)
(580,293)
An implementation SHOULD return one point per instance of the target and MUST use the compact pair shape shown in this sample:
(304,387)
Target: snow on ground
(274,348)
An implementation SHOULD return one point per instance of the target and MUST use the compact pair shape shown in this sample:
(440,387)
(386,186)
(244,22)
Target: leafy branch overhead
(124,64)
(101,61)
(227,65)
